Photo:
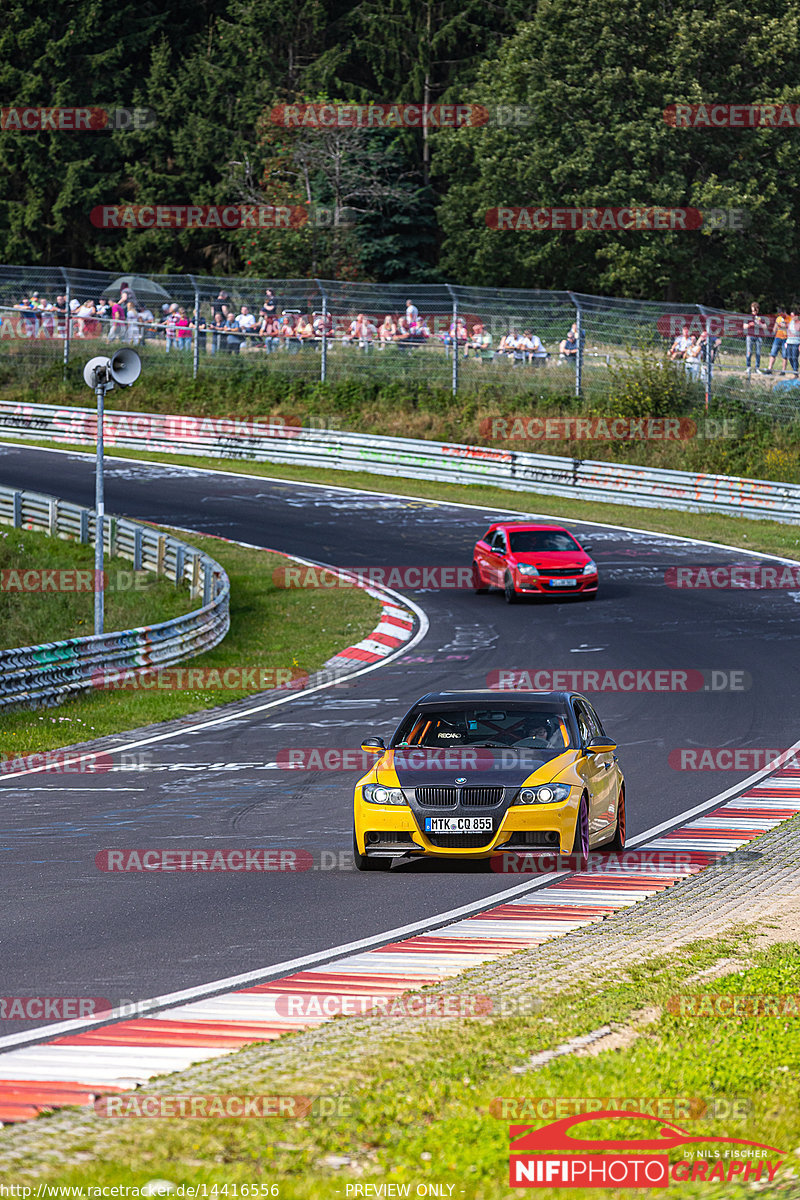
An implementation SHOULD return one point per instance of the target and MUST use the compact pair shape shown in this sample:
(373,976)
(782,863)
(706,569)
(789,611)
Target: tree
(598,87)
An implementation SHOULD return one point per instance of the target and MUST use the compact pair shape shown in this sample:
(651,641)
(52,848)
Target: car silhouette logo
(461,779)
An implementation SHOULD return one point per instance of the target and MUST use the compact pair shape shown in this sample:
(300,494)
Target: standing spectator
(132,322)
(146,322)
(755,327)
(778,342)
(693,358)
(61,314)
(199,328)
(677,351)
(183,331)
(270,306)
(412,315)
(219,341)
(793,340)
(170,325)
(220,306)
(119,318)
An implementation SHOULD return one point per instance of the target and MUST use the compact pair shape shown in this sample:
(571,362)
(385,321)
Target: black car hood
(479,768)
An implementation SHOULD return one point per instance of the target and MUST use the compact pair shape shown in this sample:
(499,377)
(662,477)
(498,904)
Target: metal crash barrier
(277,442)
(49,673)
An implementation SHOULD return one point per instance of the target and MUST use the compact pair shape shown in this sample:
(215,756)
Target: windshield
(524,541)
(518,728)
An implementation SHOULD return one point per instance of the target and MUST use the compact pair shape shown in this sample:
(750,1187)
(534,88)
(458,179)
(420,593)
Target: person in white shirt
(412,315)
(246,322)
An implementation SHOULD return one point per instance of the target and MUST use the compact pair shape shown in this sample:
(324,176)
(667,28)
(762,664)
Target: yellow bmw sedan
(474,774)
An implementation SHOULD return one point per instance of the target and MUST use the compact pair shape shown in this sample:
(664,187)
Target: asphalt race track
(70,929)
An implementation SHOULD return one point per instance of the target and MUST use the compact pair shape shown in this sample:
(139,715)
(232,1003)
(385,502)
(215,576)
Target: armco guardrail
(410,458)
(48,674)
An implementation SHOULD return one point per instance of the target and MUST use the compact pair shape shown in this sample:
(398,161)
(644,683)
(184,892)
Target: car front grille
(469,797)
(459,841)
(560,571)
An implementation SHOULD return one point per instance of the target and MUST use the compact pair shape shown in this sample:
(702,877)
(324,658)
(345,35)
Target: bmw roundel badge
(461,779)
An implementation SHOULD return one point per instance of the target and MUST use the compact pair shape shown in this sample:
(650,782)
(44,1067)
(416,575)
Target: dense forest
(584,92)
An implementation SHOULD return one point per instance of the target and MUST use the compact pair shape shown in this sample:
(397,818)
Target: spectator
(220,306)
(61,314)
(533,349)
(403,331)
(183,331)
(219,341)
(323,324)
(387,331)
(755,328)
(146,322)
(568,349)
(677,350)
(232,335)
(246,322)
(367,333)
(778,342)
(480,342)
(412,315)
(132,322)
(693,359)
(171,325)
(272,331)
(119,318)
(508,344)
(304,330)
(793,340)
(269,307)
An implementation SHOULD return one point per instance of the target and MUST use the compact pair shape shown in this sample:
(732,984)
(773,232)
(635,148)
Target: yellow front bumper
(559,819)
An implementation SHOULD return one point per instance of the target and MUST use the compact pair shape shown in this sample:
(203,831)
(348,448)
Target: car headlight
(590,569)
(375,793)
(527,569)
(546,793)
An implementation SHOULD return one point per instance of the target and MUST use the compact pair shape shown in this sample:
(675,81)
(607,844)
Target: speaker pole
(99,578)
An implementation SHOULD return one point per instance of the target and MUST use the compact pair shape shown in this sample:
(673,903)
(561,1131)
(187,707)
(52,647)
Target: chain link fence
(460,339)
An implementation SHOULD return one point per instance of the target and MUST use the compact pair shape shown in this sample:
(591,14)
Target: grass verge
(429,1103)
(272,628)
(52,614)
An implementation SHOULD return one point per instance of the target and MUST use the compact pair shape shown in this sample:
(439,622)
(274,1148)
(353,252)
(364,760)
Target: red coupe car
(533,560)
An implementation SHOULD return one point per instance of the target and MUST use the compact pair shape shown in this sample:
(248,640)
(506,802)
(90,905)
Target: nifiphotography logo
(550,1156)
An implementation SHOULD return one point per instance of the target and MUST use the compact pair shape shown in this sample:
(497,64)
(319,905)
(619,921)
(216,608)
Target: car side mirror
(600,745)
(373,746)
(588,549)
